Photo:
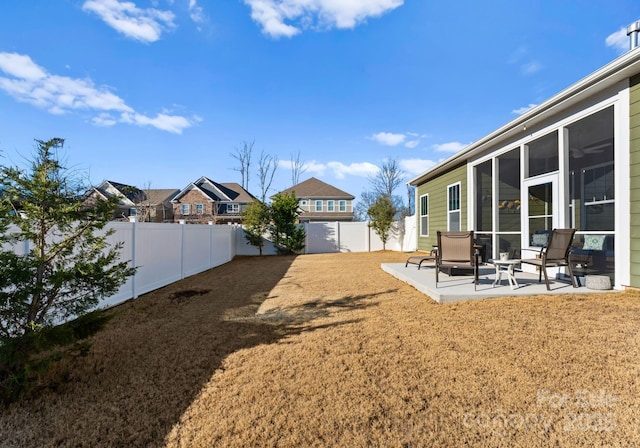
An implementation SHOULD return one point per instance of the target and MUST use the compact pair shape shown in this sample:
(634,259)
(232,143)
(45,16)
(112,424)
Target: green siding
(437,191)
(634,148)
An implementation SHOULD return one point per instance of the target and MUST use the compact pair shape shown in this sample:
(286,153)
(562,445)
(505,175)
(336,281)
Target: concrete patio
(460,287)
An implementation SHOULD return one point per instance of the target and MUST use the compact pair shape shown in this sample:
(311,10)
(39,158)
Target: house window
(342,206)
(133,212)
(330,206)
(424,215)
(453,207)
(542,155)
(484,201)
(186,209)
(592,172)
(304,202)
(599,199)
(199,209)
(318,206)
(233,208)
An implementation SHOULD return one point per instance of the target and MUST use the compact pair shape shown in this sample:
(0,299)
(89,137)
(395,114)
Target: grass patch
(37,360)
(342,354)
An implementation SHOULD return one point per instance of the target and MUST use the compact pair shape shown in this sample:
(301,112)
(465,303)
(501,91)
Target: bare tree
(387,179)
(365,201)
(243,156)
(266,170)
(383,184)
(411,200)
(142,203)
(297,168)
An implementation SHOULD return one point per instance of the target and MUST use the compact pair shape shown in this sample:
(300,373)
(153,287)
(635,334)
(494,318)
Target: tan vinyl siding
(437,191)
(634,148)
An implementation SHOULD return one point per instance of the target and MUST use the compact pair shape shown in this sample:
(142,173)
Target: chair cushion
(539,239)
(593,242)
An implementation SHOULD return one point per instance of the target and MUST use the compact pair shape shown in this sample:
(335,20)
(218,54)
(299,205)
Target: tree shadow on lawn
(155,356)
(319,308)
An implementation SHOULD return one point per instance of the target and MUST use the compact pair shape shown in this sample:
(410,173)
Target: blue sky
(161,92)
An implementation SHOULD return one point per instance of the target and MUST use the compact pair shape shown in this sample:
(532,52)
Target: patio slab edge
(460,288)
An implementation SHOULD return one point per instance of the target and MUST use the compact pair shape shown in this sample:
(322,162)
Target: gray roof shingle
(314,188)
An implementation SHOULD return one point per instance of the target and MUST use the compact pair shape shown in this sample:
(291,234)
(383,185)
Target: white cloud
(618,40)
(308,167)
(104,120)
(388,138)
(271,15)
(519,56)
(530,68)
(196,12)
(20,66)
(164,122)
(416,166)
(364,169)
(412,143)
(314,167)
(145,25)
(449,147)
(29,83)
(524,109)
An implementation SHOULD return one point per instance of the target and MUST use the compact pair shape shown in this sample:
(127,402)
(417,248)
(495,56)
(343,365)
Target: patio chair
(419,259)
(456,251)
(555,254)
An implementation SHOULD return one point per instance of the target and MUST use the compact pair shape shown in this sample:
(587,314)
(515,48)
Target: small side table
(508,267)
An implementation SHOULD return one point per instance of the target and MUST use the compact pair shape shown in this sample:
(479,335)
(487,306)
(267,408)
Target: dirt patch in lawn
(343,354)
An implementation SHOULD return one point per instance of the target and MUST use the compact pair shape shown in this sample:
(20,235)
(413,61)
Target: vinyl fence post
(210,244)
(338,235)
(134,229)
(368,237)
(183,224)
(306,237)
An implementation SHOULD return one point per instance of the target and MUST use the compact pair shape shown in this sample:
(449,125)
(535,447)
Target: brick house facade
(204,200)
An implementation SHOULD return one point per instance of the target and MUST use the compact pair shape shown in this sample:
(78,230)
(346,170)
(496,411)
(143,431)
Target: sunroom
(562,175)
(567,163)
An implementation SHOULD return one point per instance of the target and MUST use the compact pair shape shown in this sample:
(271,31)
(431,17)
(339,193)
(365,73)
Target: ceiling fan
(596,148)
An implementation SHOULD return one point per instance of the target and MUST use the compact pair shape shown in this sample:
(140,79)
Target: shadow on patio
(460,287)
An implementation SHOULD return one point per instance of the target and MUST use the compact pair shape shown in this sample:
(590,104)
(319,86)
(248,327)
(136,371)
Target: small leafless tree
(297,168)
(142,203)
(216,211)
(383,184)
(387,179)
(266,170)
(243,156)
(411,200)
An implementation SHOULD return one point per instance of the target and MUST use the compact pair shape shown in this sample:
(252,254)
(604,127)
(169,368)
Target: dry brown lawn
(342,354)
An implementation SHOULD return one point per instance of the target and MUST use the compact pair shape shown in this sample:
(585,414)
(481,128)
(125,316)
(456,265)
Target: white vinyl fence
(166,253)
(333,237)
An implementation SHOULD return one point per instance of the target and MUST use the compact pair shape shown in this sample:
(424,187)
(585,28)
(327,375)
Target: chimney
(633,31)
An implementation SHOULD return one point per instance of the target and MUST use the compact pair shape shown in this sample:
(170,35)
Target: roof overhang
(621,68)
(187,189)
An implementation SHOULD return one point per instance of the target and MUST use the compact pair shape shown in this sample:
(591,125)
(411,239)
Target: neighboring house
(126,195)
(154,205)
(150,205)
(572,161)
(319,201)
(205,200)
